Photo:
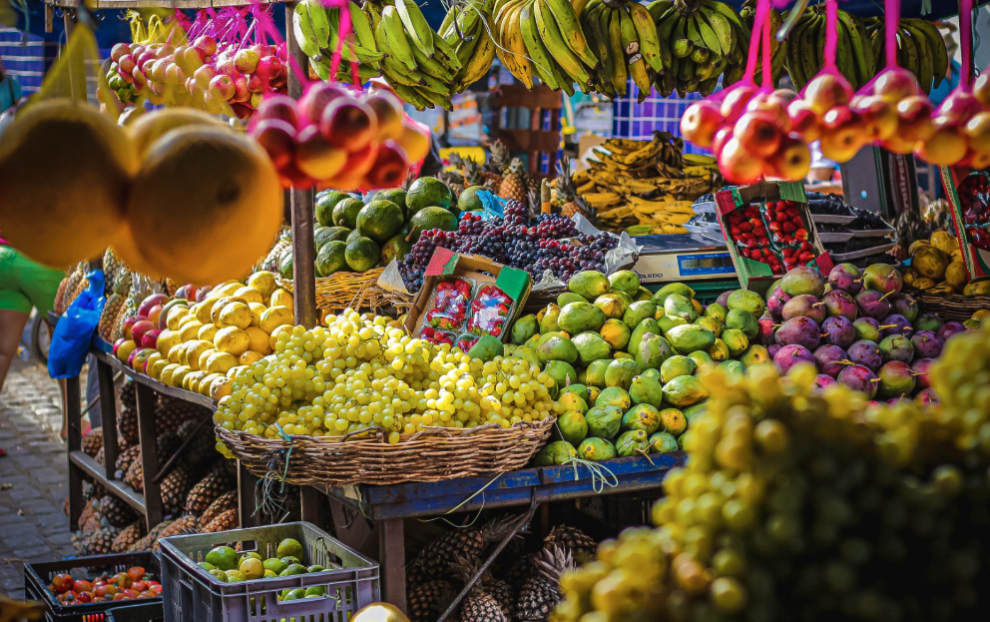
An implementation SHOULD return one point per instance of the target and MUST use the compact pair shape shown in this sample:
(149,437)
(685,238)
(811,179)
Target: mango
(577,317)
(632,443)
(566,298)
(562,372)
(691,413)
(615,333)
(614,396)
(548,318)
(667,323)
(486,348)
(677,306)
(643,294)
(577,388)
(652,351)
(662,442)
(573,427)
(747,301)
(719,351)
(591,347)
(646,390)
(604,421)
(595,376)
(642,417)
(736,341)
(528,354)
(596,449)
(620,373)
(651,373)
(700,357)
(690,337)
(637,312)
(740,319)
(673,421)
(555,453)
(672,288)
(716,312)
(732,368)
(588,283)
(612,305)
(677,365)
(755,355)
(649,325)
(557,348)
(624,281)
(684,391)
(711,324)
(524,328)
(571,401)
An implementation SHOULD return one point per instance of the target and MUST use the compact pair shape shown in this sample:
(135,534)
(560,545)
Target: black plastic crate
(144,612)
(38,575)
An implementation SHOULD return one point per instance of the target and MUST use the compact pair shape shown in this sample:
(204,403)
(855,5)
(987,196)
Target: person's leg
(12,325)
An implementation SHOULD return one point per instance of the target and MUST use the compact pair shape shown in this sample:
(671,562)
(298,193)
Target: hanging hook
(100,15)
(122,16)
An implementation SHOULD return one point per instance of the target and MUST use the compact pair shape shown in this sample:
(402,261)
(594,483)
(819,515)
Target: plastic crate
(38,575)
(145,612)
(194,595)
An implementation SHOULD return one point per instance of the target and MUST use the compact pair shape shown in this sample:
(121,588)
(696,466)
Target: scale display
(713,263)
(676,265)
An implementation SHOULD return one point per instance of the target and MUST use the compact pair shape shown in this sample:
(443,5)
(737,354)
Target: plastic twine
(831,33)
(762,11)
(767,69)
(966,41)
(891,24)
(599,474)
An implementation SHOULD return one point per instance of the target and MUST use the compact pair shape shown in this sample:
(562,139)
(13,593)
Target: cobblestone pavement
(33,476)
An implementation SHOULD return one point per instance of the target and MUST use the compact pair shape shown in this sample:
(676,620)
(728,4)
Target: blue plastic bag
(75,329)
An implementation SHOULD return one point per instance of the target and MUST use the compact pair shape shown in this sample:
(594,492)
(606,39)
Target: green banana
(721,28)
(444,52)
(911,59)
(646,32)
(397,40)
(603,72)
(321,67)
(694,34)
(542,61)
(926,65)
(411,96)
(857,45)
(430,66)
(570,28)
(302,30)
(636,65)
(936,43)
(318,17)
(554,41)
(620,73)
(350,49)
(657,8)
(436,99)
(361,26)
(420,33)
(479,63)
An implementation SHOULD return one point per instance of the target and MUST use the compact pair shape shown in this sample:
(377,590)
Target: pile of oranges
(134,584)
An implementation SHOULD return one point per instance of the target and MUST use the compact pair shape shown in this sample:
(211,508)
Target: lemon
(219,574)
(252,568)
(220,388)
(148,128)
(269,574)
(248,357)
(223,557)
(290,548)
(236,575)
(275,565)
(175,314)
(232,340)
(256,310)
(207,332)
(258,340)
(190,330)
(236,314)
(204,358)
(202,310)
(249,294)
(280,298)
(263,282)
(274,317)
(220,362)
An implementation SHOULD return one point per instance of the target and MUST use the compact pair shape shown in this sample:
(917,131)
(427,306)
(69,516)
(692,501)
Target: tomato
(131,593)
(123,580)
(62,583)
(136,572)
(157,589)
(83,586)
(140,586)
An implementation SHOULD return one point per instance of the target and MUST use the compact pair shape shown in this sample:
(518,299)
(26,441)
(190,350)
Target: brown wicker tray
(951,307)
(355,290)
(427,456)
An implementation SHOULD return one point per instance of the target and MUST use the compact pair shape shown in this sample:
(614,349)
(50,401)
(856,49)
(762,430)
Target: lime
(379,220)
(219,574)
(330,258)
(252,555)
(289,559)
(469,200)
(275,565)
(345,213)
(316,590)
(293,569)
(361,254)
(315,568)
(427,191)
(325,202)
(269,573)
(223,557)
(296,594)
(235,575)
(206,566)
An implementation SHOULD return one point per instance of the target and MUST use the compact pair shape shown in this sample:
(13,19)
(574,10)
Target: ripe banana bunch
(543,39)
(317,29)
(778,50)
(468,28)
(706,39)
(419,64)
(628,46)
(920,49)
(806,50)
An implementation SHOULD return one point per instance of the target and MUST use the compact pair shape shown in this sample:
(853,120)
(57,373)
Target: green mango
(711,324)
(746,300)
(534,341)
(596,373)
(716,312)
(619,354)
(579,389)
(486,348)
(667,323)
(615,333)
(677,306)
(566,298)
(755,355)
(555,453)
(573,427)
(662,443)
(700,357)
(596,449)
(642,417)
(732,368)
(528,354)
(524,328)
(677,365)
(604,421)
(684,391)
(577,317)
(652,373)
(690,337)
(612,305)
(593,393)
(719,351)
(624,281)
(620,373)
(588,283)
(672,288)
(572,401)
(740,319)
(632,443)
(637,312)
(673,421)
(591,347)
(643,294)
(562,372)
(646,390)
(548,318)
(736,341)
(649,325)
(508,349)
(652,351)
(558,349)
(614,396)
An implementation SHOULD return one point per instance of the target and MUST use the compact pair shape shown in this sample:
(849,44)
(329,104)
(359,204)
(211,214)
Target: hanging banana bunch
(418,63)
(468,28)
(707,39)
(920,49)
(805,55)
(624,37)
(778,49)
(543,39)
(317,29)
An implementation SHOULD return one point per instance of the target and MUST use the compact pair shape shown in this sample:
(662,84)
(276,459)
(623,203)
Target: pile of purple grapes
(552,243)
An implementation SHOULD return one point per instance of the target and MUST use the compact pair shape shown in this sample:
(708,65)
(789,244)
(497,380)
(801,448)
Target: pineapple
(112,267)
(436,557)
(171,413)
(145,543)
(175,487)
(185,525)
(226,501)
(581,546)
(59,305)
(515,183)
(92,443)
(100,542)
(134,477)
(86,515)
(566,190)
(127,458)
(115,303)
(225,521)
(128,536)
(426,601)
(128,395)
(116,512)
(541,592)
(209,489)
(203,446)
(127,424)
(480,604)
(497,165)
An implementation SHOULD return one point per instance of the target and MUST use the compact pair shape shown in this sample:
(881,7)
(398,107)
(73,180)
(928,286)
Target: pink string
(762,12)
(767,69)
(892,21)
(831,33)
(266,31)
(966,40)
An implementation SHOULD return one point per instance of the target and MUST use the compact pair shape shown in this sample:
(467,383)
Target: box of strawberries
(769,230)
(969,197)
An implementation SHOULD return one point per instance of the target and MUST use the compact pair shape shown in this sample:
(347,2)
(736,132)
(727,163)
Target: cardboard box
(976,259)
(514,282)
(756,275)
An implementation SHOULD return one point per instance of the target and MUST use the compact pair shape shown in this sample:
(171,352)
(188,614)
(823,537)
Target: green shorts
(25,284)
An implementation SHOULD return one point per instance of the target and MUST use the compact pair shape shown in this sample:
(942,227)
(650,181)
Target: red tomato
(157,589)
(83,586)
(140,586)
(131,593)
(106,590)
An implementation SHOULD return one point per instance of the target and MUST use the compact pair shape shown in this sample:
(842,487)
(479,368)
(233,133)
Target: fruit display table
(388,506)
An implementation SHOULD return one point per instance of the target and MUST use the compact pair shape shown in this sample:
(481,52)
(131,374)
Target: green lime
(223,557)
(293,569)
(275,565)
(316,590)
(219,574)
(315,568)
(206,566)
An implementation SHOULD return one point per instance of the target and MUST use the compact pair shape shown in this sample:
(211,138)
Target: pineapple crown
(553,561)
(501,158)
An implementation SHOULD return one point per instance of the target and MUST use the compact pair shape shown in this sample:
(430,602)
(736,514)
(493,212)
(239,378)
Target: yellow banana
(444,52)
(619,68)
(554,41)
(542,62)
(514,43)
(397,40)
(567,20)
(646,31)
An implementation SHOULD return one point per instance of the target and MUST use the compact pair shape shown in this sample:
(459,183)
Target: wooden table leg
(73,417)
(146,403)
(108,410)
(246,500)
(392,561)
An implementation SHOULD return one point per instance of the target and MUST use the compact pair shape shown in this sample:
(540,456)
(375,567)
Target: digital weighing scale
(685,258)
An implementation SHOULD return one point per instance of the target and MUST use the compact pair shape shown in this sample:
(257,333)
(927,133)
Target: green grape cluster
(797,505)
(360,371)
(961,377)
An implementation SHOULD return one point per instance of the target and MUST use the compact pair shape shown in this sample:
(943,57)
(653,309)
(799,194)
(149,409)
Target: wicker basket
(355,290)
(952,307)
(427,456)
